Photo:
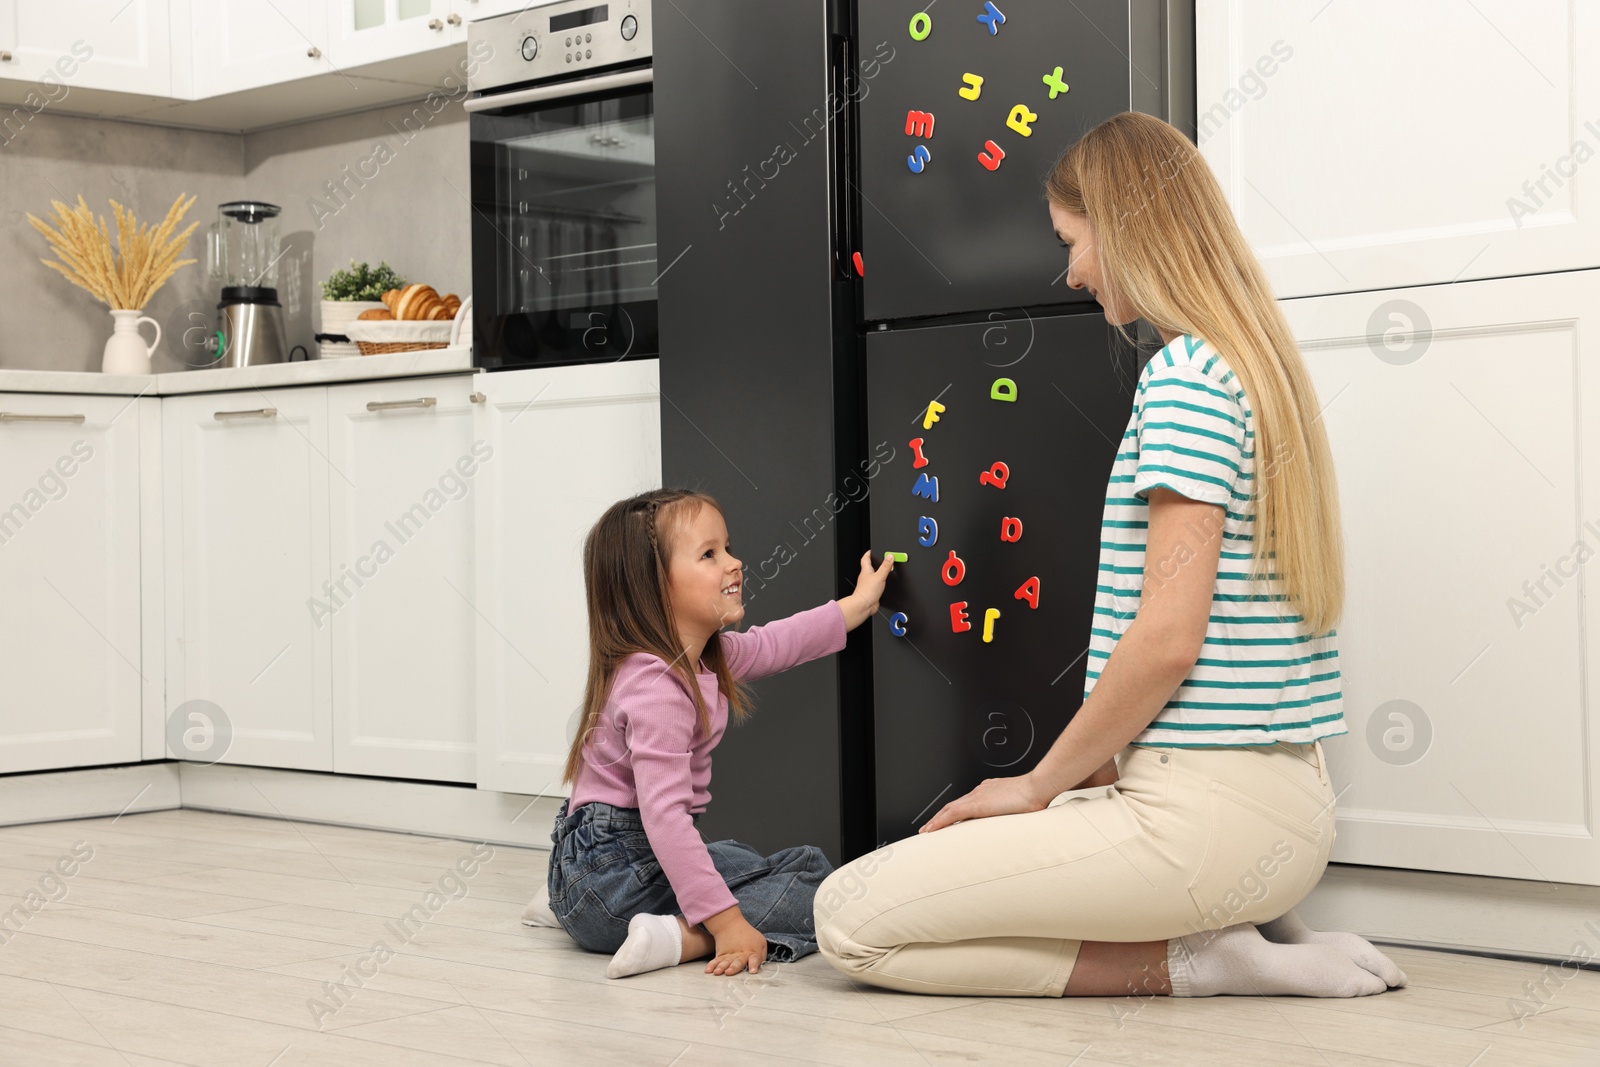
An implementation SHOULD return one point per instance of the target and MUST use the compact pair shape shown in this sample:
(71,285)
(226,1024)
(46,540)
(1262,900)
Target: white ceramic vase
(126,352)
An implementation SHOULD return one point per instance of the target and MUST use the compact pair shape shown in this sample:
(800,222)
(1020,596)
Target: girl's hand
(994,796)
(862,604)
(740,946)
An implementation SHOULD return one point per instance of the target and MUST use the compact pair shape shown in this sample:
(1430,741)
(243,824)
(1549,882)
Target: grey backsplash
(343,196)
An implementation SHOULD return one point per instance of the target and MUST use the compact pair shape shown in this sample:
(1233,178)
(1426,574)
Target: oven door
(564,226)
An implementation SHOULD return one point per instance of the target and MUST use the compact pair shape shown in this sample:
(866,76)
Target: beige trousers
(1188,839)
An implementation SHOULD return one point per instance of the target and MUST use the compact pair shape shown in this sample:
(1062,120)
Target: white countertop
(307,372)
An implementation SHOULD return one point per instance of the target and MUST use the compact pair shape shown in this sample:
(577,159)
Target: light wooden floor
(199,938)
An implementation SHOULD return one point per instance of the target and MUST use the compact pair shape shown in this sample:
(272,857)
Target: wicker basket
(377,336)
(378,348)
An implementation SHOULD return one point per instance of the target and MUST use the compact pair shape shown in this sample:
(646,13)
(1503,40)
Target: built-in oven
(563,185)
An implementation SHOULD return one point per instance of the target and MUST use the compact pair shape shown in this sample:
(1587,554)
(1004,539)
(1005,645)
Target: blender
(242,253)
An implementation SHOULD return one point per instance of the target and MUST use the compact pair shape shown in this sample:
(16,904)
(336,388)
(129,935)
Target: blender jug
(242,253)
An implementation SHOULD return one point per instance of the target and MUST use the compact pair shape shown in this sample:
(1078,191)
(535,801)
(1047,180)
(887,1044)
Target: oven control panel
(561,40)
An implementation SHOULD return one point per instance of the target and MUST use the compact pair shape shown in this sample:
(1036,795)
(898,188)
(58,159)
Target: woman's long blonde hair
(1168,243)
(626,559)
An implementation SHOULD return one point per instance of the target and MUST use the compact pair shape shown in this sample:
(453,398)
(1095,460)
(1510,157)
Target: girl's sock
(1238,960)
(654,942)
(538,912)
(1289,930)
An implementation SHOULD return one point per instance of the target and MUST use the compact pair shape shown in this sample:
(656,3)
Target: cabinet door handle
(253,413)
(5,57)
(390,405)
(314,52)
(14,416)
(435,24)
(454,19)
(477,398)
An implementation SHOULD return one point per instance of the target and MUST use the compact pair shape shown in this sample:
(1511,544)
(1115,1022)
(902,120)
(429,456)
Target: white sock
(654,942)
(1238,960)
(538,912)
(1289,930)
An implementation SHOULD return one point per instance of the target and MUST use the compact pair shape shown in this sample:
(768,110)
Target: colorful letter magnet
(991,17)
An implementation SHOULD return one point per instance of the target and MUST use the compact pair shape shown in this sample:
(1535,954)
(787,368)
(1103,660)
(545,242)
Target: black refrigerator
(867,342)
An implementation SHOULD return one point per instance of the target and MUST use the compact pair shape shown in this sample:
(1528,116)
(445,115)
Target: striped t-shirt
(1260,678)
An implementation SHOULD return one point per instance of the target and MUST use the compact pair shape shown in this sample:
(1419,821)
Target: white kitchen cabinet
(246,496)
(404,471)
(245,44)
(69,581)
(1469,478)
(371,31)
(567,443)
(473,10)
(1366,144)
(119,45)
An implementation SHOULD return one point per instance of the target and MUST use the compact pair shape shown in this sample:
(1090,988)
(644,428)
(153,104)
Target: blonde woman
(1213,672)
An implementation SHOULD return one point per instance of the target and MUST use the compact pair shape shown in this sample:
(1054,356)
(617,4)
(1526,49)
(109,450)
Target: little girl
(629,873)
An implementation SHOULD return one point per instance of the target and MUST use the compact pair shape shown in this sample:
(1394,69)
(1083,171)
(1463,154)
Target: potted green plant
(346,294)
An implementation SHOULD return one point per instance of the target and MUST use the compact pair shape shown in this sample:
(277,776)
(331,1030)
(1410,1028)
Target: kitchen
(390,729)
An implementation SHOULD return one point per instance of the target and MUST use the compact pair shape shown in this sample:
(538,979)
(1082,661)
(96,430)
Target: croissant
(412,299)
(376,314)
(403,300)
(389,298)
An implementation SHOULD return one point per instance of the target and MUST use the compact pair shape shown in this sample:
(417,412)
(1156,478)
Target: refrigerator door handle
(841,145)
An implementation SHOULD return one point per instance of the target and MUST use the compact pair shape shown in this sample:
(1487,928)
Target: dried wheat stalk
(145,257)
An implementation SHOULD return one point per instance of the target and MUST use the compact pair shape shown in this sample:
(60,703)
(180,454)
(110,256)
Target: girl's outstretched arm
(806,635)
(862,604)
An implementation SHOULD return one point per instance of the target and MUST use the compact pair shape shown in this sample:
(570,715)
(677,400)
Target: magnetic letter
(1019,118)
(897,624)
(921,26)
(991,156)
(927,532)
(989,616)
(1055,83)
(934,407)
(918,158)
(991,17)
(958,617)
(918,460)
(1010,529)
(920,123)
(1003,389)
(953,570)
(1029,591)
(898,557)
(995,475)
(926,487)
(973,88)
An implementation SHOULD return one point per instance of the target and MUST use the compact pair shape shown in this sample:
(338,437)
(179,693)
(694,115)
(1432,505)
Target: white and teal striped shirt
(1260,678)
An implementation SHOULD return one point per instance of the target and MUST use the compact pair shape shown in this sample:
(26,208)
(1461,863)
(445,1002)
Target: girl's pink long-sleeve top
(647,752)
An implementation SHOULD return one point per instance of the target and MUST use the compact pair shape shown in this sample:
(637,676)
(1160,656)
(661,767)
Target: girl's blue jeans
(603,873)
